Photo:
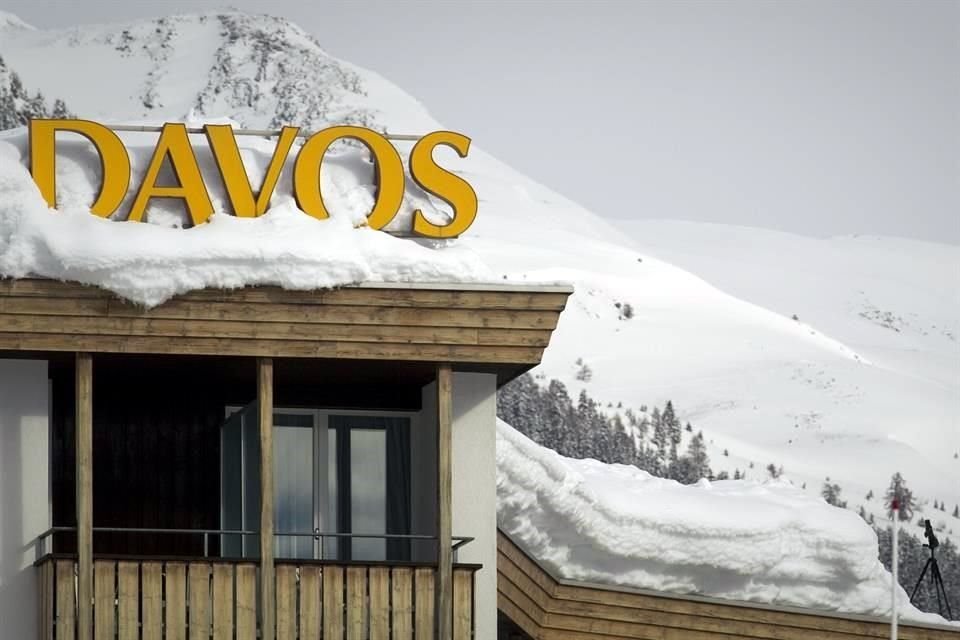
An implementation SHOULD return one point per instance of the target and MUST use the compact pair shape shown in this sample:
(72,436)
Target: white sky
(817,117)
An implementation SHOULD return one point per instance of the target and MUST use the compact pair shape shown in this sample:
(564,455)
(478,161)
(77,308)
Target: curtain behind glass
(398,483)
(397,487)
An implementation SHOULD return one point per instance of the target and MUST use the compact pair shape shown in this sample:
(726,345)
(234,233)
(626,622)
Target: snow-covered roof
(742,540)
(153,261)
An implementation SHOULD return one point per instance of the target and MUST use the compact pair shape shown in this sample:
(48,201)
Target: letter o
(389,171)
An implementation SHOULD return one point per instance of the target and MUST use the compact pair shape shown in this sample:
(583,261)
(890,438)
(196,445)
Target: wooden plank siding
(548,609)
(317,600)
(407,324)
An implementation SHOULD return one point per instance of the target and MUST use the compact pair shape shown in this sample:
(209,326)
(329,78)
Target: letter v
(227,156)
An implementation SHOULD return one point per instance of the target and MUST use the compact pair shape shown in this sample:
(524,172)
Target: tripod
(937,581)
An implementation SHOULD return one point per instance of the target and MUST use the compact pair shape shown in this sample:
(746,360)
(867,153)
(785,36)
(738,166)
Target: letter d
(113,159)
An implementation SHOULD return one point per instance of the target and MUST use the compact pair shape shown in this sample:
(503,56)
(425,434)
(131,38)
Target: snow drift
(737,539)
(153,261)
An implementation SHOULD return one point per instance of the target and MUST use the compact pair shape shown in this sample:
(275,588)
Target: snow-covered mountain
(863,383)
(259,70)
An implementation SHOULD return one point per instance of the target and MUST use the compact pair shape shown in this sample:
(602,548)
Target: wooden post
(268,602)
(444,589)
(84,449)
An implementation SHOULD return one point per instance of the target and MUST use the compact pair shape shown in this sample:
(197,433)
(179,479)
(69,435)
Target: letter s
(447,186)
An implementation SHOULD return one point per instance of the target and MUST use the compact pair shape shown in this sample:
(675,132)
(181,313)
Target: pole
(894,558)
(83,424)
(263,133)
(444,582)
(268,602)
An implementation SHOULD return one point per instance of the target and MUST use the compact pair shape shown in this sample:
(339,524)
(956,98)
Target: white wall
(474,482)
(24,490)
(475,487)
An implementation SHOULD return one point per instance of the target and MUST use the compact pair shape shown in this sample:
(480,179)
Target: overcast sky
(822,118)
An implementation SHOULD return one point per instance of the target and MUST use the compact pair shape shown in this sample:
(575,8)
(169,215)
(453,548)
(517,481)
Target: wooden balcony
(183,599)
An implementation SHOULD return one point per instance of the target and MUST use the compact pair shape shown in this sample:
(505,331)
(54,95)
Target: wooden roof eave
(490,327)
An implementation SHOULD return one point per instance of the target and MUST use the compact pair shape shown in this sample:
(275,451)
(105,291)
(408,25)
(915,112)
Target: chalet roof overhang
(501,329)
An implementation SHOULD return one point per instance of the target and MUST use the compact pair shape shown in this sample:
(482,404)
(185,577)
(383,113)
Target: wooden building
(256,463)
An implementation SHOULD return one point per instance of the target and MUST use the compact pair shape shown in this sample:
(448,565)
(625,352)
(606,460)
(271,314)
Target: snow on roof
(742,540)
(150,263)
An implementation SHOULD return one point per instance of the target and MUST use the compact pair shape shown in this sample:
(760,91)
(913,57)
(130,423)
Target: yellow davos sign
(173,145)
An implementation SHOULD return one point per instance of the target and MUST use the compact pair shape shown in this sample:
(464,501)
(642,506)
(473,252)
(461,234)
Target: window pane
(293,489)
(368,491)
(330,544)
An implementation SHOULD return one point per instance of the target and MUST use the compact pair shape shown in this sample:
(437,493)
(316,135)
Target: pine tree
(831,493)
(592,430)
(8,110)
(59,109)
(584,372)
(37,106)
(16,87)
(695,464)
(736,474)
(898,489)
(640,428)
(624,447)
(560,424)
(956,511)
(660,441)
(674,432)
(644,450)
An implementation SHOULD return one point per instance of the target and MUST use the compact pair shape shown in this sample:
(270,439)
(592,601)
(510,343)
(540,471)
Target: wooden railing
(157,599)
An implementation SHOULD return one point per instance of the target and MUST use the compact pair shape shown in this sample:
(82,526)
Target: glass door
(240,482)
(373,485)
(338,473)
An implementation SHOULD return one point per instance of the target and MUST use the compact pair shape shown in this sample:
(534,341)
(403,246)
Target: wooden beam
(84,450)
(497,327)
(444,591)
(268,601)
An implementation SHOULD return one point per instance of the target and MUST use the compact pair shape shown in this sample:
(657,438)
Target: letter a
(175,144)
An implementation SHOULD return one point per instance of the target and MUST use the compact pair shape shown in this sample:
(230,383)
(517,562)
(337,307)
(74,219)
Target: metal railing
(263,133)
(41,540)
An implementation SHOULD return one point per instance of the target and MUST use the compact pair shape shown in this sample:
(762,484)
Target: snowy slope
(823,397)
(894,301)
